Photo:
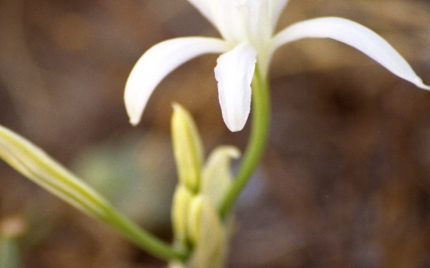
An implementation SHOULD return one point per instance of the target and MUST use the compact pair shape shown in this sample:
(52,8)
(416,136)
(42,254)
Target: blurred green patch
(135,173)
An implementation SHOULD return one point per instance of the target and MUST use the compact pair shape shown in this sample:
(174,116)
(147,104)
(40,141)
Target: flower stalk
(11,229)
(257,141)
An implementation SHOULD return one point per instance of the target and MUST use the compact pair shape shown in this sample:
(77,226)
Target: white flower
(247,30)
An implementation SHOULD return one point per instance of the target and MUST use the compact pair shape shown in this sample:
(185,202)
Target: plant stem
(257,141)
(143,239)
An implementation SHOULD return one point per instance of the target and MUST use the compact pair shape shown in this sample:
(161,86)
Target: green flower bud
(37,166)
(187,148)
(196,223)
(180,208)
(208,234)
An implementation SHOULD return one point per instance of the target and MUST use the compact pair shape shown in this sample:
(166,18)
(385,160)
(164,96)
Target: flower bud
(187,148)
(216,177)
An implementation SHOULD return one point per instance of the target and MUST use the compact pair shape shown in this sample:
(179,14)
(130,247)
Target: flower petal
(257,24)
(355,35)
(158,62)
(276,8)
(216,176)
(234,73)
(228,19)
(205,8)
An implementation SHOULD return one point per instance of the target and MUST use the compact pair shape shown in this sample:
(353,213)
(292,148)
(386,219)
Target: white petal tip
(421,85)
(134,122)
(424,87)
(234,73)
(235,128)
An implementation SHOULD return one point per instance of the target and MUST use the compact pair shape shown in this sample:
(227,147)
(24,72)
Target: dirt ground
(345,181)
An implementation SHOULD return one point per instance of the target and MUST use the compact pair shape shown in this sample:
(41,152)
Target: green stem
(257,141)
(9,253)
(143,239)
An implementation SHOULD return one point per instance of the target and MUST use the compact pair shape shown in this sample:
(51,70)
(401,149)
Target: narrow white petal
(229,21)
(355,35)
(234,73)
(257,22)
(276,8)
(157,63)
(205,8)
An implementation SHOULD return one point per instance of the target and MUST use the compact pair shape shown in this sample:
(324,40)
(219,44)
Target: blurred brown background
(345,181)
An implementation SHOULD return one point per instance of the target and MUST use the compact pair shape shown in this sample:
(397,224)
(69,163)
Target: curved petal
(158,62)
(257,24)
(205,8)
(276,8)
(216,175)
(355,35)
(228,18)
(234,73)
